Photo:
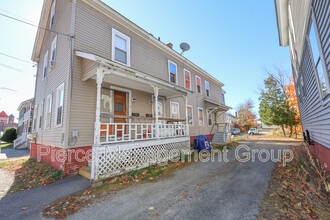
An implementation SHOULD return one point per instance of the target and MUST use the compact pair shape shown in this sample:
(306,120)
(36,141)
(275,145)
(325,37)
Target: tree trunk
(283,130)
(295,131)
(291,130)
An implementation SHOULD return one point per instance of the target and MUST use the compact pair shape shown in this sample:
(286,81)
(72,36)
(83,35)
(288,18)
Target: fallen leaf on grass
(151,208)
(25,208)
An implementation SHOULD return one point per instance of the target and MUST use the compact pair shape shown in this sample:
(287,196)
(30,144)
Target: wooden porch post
(99,79)
(156,89)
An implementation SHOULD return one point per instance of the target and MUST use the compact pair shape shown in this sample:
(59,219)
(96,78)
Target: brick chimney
(170,45)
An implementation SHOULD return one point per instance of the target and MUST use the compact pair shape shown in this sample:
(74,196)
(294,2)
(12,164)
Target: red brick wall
(321,153)
(209,136)
(62,159)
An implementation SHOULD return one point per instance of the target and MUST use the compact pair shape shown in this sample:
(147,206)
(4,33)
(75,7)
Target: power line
(34,25)
(13,68)
(16,58)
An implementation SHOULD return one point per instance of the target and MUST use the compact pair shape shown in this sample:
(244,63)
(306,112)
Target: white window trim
(198,116)
(184,75)
(52,13)
(206,82)
(45,65)
(53,48)
(174,103)
(324,100)
(192,115)
(128,47)
(49,99)
(35,118)
(169,72)
(57,104)
(40,114)
(196,84)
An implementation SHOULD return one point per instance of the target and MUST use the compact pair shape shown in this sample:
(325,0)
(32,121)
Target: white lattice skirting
(114,159)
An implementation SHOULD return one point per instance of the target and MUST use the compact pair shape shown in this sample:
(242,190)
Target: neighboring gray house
(104,83)
(24,126)
(304,26)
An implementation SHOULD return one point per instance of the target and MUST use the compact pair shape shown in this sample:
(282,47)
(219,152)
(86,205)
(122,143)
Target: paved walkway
(210,190)
(10,153)
(6,180)
(37,199)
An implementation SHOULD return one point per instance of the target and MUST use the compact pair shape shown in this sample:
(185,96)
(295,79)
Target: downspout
(68,104)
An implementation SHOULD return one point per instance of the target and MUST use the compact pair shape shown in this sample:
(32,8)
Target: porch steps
(218,138)
(85,172)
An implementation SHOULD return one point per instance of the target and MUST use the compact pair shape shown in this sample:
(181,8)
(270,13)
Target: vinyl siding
(315,115)
(58,75)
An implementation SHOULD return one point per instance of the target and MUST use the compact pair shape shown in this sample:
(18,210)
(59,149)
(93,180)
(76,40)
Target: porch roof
(118,74)
(218,106)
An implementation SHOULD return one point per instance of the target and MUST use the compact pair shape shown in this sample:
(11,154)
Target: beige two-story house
(104,83)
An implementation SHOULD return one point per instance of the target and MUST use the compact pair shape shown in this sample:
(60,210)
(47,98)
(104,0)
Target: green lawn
(6,146)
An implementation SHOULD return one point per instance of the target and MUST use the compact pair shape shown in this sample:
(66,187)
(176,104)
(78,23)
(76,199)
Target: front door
(120,109)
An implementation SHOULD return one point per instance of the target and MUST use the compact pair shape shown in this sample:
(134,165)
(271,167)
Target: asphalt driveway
(203,190)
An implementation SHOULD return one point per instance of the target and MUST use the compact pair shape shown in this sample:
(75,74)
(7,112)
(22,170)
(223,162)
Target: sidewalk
(36,199)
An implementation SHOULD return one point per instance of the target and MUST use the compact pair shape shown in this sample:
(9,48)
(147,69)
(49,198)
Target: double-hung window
(209,117)
(198,85)
(223,98)
(53,53)
(41,114)
(187,79)
(49,111)
(200,117)
(321,72)
(45,65)
(59,104)
(52,14)
(174,110)
(190,115)
(121,45)
(207,88)
(172,72)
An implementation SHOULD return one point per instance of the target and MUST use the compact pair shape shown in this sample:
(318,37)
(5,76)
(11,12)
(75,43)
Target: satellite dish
(184,47)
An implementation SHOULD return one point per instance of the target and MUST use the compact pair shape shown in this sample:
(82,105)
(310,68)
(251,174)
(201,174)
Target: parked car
(235,131)
(253,131)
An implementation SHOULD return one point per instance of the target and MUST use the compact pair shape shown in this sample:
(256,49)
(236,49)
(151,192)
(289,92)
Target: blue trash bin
(202,142)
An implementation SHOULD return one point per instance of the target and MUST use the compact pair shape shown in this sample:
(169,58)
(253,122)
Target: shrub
(10,135)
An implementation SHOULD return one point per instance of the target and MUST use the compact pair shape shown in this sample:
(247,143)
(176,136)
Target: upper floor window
(223,98)
(190,115)
(187,79)
(321,72)
(121,47)
(59,104)
(198,85)
(172,72)
(207,88)
(45,64)
(52,14)
(174,110)
(53,52)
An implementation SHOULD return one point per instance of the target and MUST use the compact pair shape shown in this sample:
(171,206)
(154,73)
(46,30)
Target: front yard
(30,174)
(6,146)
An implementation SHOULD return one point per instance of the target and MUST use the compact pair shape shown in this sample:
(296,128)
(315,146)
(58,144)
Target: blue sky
(232,40)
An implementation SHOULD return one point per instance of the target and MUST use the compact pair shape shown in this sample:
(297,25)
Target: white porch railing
(27,115)
(122,132)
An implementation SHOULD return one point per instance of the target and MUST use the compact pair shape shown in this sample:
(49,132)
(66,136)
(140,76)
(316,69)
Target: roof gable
(3,114)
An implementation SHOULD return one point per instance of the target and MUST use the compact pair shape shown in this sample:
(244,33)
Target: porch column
(99,79)
(156,89)
(187,117)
